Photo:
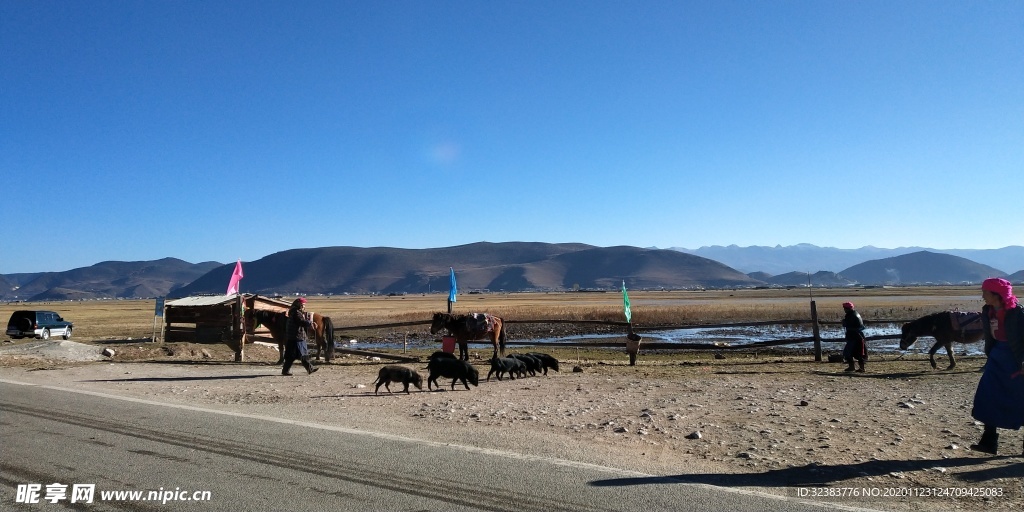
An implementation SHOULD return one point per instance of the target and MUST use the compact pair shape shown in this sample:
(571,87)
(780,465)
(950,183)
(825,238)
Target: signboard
(160,307)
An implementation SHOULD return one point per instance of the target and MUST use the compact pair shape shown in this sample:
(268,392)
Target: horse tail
(501,338)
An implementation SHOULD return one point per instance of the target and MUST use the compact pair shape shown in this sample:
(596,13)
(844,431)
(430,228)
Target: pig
(546,361)
(533,364)
(406,376)
(510,365)
(454,369)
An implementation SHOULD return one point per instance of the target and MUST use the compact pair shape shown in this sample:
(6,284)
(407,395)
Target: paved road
(65,436)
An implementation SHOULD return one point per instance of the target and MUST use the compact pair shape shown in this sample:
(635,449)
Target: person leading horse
(299,322)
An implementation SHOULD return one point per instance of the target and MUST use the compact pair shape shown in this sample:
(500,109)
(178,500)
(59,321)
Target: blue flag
(452,289)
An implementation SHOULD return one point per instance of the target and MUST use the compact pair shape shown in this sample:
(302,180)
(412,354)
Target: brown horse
(471,327)
(323,333)
(276,322)
(946,327)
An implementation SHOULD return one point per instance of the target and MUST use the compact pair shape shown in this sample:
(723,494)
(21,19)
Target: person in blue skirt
(999,400)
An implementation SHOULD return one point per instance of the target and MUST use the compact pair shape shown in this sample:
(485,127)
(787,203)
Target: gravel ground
(780,424)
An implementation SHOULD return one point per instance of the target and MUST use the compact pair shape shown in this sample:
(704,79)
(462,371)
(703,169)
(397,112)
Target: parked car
(37,324)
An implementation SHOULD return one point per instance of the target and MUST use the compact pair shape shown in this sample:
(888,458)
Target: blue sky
(213,131)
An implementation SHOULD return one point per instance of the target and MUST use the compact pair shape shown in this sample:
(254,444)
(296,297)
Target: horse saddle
(966,321)
(479,323)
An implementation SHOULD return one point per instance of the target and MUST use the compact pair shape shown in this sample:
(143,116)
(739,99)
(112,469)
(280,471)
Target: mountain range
(811,258)
(916,268)
(508,266)
(108,279)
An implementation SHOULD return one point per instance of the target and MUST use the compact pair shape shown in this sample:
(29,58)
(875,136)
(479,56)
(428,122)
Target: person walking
(856,346)
(999,400)
(295,330)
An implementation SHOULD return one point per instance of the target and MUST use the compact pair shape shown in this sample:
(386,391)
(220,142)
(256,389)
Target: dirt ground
(774,423)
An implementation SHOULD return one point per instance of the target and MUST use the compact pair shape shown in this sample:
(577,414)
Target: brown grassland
(121,319)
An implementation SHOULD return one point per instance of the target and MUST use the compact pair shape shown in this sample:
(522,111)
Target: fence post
(238,328)
(816,331)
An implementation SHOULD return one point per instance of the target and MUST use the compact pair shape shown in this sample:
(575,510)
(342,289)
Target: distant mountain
(822,278)
(109,279)
(1008,259)
(811,258)
(509,266)
(6,285)
(760,276)
(14,280)
(1017,278)
(922,267)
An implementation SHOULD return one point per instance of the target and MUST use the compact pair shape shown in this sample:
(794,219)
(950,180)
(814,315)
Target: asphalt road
(228,461)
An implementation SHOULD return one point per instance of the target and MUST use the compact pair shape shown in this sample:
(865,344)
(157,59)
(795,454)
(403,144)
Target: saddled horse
(946,327)
(276,322)
(471,327)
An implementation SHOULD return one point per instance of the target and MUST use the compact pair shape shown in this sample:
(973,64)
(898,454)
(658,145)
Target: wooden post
(158,316)
(817,332)
(239,329)
(632,345)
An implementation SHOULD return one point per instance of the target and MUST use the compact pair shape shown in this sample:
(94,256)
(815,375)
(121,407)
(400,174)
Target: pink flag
(236,276)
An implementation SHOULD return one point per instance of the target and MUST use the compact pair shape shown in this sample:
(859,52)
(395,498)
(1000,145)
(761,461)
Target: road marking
(648,478)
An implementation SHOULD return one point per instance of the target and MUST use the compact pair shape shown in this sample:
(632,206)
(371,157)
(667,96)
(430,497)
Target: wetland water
(832,339)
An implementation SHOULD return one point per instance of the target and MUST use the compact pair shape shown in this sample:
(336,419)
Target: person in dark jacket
(999,400)
(295,330)
(856,346)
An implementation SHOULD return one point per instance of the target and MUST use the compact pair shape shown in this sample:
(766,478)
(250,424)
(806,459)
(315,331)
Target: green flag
(625,303)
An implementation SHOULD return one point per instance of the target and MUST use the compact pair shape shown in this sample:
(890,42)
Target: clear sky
(213,131)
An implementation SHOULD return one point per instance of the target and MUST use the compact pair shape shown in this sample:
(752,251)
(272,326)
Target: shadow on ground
(183,379)
(824,476)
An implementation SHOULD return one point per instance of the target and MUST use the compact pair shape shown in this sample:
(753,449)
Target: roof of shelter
(206,300)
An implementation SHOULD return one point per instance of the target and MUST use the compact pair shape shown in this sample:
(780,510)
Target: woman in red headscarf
(999,400)
(296,327)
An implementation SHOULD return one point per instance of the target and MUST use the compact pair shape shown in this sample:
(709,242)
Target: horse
(946,327)
(471,327)
(323,333)
(276,322)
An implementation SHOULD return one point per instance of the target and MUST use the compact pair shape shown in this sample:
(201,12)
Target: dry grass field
(123,319)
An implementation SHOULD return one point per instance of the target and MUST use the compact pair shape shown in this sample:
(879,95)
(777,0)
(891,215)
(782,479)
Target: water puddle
(832,339)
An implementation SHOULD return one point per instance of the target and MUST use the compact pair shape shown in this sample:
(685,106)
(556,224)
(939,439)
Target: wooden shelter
(224,319)
(209,319)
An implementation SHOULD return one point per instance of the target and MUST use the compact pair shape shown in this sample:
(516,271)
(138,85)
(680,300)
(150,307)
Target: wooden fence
(816,338)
